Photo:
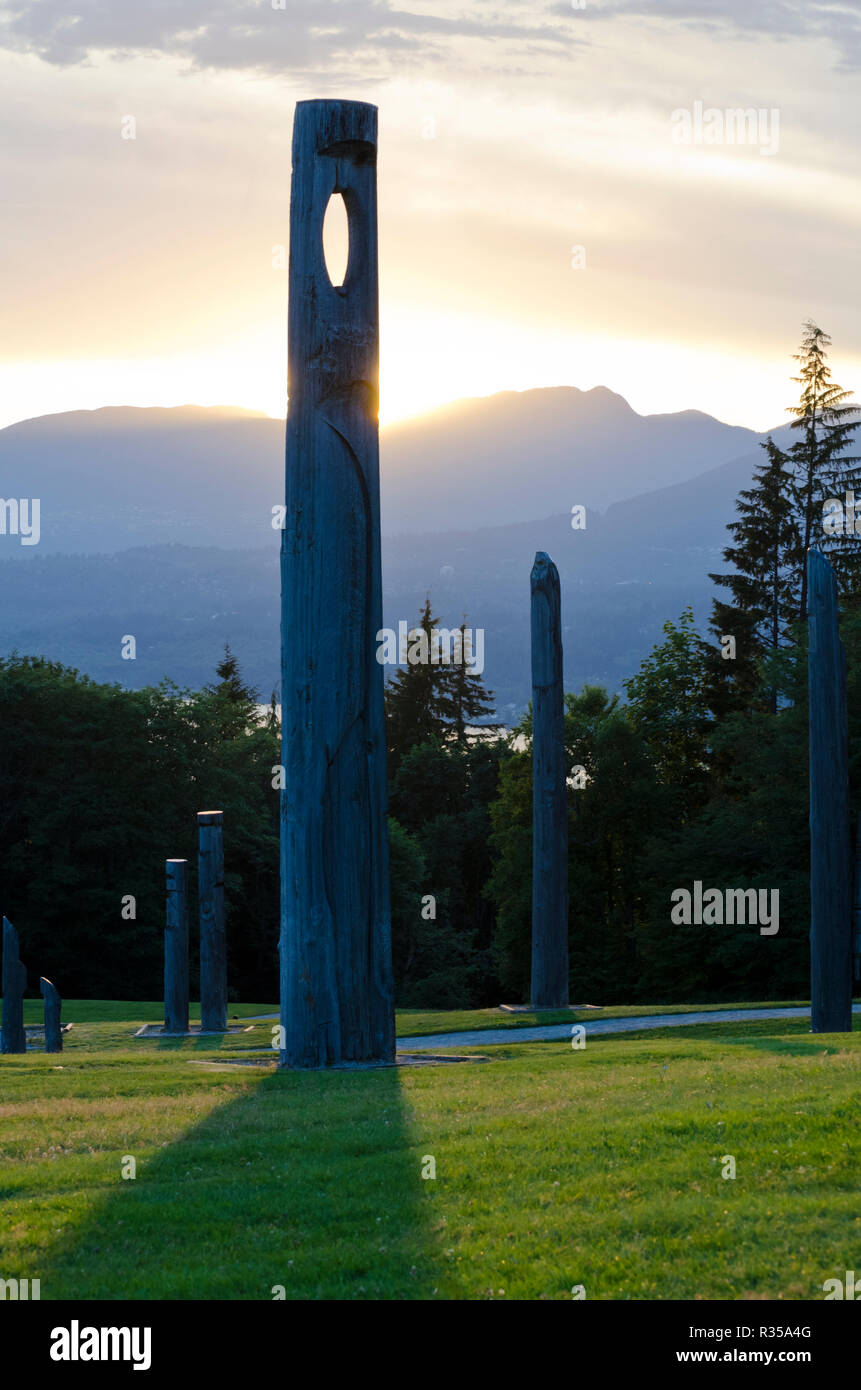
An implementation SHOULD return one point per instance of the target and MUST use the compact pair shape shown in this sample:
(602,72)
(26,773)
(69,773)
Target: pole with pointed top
(337,998)
(549,989)
(830,847)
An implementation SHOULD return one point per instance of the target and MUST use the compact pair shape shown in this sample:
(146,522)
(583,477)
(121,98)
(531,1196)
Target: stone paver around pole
(489,1037)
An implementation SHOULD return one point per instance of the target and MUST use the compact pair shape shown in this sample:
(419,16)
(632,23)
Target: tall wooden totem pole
(549,988)
(337,999)
(830,838)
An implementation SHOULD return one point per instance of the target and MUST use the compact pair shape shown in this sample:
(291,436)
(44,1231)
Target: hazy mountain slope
(110,476)
(120,477)
(631,568)
(182,603)
(535,453)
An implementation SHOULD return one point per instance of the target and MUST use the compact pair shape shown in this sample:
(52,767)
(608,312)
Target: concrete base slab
(420,1059)
(155,1030)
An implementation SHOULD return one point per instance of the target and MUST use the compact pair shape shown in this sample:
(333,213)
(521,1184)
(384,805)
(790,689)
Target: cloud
(252,34)
(838,23)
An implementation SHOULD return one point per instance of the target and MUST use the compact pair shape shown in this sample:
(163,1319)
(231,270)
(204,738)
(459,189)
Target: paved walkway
(486,1037)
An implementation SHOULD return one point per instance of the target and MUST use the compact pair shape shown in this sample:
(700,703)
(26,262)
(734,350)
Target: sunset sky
(140,271)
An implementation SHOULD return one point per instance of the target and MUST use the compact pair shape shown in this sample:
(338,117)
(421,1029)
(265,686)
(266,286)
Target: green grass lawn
(554,1167)
(417,1022)
(410,1022)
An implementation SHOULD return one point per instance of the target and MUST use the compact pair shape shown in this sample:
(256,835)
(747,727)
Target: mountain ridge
(120,476)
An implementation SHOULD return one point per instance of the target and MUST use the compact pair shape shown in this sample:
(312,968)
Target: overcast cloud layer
(143,270)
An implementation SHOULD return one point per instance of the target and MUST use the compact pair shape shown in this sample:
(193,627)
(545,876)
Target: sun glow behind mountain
(151,271)
(428,359)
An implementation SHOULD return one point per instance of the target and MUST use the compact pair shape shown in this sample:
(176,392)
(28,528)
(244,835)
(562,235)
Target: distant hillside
(632,568)
(169,512)
(521,455)
(120,477)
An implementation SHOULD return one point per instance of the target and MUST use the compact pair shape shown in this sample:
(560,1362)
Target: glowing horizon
(654,378)
(539,225)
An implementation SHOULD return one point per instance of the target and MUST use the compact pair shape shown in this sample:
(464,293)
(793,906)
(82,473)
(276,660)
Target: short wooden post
(12,1035)
(213,946)
(53,1010)
(176,947)
(830,847)
(549,988)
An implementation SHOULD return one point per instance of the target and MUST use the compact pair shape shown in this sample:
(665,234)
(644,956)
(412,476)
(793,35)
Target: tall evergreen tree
(236,700)
(763,586)
(822,468)
(230,683)
(272,718)
(464,696)
(416,694)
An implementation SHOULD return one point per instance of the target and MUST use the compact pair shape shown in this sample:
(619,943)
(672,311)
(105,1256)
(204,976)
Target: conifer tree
(764,586)
(230,683)
(822,468)
(415,696)
(237,701)
(464,696)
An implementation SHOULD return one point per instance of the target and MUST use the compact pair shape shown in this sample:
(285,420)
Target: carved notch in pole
(549,988)
(337,1001)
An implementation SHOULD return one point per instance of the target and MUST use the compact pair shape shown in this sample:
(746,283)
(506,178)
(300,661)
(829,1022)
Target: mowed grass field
(555,1167)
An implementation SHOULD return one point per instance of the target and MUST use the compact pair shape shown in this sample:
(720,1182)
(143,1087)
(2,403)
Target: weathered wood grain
(176,947)
(336,974)
(213,943)
(53,1011)
(12,1035)
(549,988)
(830,846)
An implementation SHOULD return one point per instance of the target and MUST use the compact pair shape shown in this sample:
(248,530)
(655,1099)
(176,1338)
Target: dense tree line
(702,775)
(98,786)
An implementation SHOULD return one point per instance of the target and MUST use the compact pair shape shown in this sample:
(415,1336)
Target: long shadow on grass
(309,1181)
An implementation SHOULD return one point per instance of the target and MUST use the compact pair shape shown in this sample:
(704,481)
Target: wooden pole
(337,1001)
(213,946)
(856,911)
(176,947)
(830,848)
(12,1035)
(53,1011)
(549,988)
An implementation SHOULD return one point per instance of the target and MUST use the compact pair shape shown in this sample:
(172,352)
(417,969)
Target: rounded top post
(544,570)
(210,817)
(546,624)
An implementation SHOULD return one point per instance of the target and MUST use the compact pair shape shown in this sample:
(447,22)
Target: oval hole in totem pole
(336,239)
